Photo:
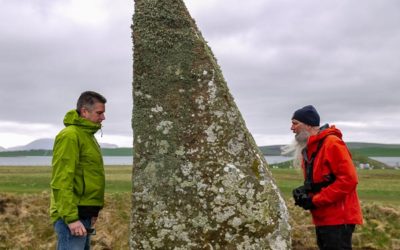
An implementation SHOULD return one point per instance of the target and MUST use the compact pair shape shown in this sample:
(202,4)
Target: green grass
(24,197)
(379,185)
(24,179)
(35,179)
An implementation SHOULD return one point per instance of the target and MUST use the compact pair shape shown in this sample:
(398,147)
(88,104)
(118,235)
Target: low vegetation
(24,202)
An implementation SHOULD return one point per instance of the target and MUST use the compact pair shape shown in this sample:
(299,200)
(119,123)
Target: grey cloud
(277,55)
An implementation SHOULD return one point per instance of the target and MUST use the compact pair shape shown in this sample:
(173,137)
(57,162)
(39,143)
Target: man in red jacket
(329,189)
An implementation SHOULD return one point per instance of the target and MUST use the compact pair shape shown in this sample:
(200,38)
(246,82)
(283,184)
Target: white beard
(296,147)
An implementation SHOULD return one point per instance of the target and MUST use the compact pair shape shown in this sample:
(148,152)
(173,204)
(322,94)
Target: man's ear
(83,112)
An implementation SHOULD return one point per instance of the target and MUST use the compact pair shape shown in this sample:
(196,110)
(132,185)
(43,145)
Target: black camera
(299,195)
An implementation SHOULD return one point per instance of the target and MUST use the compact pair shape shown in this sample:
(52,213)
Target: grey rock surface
(199,179)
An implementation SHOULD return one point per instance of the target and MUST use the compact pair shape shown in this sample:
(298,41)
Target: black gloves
(307,203)
(302,199)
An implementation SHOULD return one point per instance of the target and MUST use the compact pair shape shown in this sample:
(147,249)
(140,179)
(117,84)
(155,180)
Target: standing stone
(199,179)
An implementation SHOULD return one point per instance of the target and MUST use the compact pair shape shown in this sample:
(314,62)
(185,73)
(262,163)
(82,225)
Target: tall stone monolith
(199,179)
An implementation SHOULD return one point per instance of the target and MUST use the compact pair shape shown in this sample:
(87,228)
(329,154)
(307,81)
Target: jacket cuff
(69,220)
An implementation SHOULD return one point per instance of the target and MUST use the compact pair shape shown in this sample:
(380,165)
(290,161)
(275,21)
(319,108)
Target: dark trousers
(336,237)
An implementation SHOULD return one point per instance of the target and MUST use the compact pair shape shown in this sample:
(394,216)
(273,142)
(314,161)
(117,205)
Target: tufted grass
(24,201)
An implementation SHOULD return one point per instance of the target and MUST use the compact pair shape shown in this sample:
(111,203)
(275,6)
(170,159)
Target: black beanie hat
(307,115)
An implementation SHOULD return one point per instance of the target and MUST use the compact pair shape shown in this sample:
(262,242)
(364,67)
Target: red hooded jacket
(337,203)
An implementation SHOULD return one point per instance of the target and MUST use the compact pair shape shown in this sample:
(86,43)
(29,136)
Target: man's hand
(307,203)
(302,199)
(77,228)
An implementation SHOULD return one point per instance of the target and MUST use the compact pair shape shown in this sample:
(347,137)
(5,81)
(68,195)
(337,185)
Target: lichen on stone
(199,180)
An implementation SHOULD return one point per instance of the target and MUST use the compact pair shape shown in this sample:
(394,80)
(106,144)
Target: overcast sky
(276,55)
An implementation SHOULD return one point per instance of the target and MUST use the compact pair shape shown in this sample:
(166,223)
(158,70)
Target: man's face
(301,130)
(95,114)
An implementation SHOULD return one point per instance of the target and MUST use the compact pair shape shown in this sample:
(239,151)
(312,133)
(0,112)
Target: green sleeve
(65,160)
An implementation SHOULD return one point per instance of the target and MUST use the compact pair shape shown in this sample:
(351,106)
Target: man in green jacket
(78,180)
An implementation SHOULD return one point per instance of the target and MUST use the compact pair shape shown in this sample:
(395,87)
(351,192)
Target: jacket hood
(332,130)
(73,118)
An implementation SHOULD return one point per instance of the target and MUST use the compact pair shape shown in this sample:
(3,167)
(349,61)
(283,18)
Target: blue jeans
(67,241)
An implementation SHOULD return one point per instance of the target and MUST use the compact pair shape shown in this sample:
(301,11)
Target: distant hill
(46,144)
(2,149)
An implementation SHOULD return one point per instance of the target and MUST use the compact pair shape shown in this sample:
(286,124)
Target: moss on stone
(198,179)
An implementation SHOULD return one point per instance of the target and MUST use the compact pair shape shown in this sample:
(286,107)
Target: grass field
(25,224)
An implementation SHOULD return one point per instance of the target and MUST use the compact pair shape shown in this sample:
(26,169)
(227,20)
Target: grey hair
(87,99)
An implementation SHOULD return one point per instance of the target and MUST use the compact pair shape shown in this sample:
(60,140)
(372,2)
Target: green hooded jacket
(78,173)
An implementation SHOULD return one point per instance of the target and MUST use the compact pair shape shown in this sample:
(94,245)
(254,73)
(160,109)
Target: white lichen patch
(163,146)
(236,222)
(201,186)
(187,168)
(235,146)
(167,222)
(232,116)
(164,126)
(218,113)
(145,244)
(277,242)
(192,151)
(157,109)
(178,71)
(212,92)
(200,102)
(229,237)
(200,221)
(180,151)
(234,172)
(224,214)
(211,132)
(250,191)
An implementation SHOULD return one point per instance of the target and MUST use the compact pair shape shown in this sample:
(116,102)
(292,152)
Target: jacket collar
(314,139)
(73,118)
